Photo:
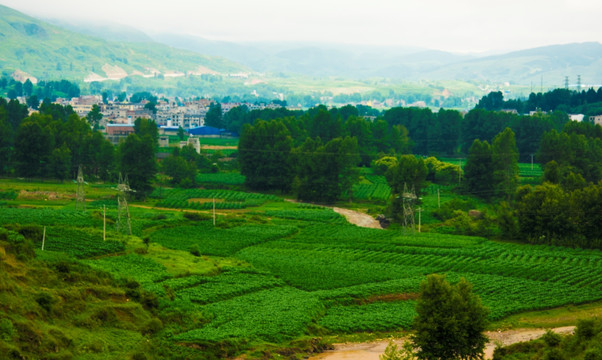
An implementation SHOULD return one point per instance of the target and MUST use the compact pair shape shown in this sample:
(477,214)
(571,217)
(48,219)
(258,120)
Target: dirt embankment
(373,350)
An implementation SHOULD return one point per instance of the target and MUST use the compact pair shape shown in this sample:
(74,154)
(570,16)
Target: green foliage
(137,162)
(393,353)
(450,320)
(504,158)
(478,171)
(264,155)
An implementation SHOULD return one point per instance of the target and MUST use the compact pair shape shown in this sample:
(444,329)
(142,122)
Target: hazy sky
(452,25)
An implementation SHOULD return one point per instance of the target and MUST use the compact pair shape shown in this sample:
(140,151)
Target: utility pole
(43,238)
(80,195)
(419,212)
(104,223)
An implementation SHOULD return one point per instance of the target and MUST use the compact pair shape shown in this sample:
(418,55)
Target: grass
(550,318)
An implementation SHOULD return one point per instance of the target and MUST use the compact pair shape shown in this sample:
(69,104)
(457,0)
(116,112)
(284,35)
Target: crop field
(220,178)
(283,270)
(200,199)
(374,187)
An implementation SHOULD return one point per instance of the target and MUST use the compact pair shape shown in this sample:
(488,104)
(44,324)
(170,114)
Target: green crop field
(281,270)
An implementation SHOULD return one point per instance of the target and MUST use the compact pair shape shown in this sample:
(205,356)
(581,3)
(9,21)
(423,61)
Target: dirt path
(373,350)
(358,218)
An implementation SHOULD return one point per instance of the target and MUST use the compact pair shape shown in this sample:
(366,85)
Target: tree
(409,172)
(60,162)
(264,155)
(214,116)
(147,128)
(33,145)
(324,172)
(181,171)
(505,164)
(478,171)
(450,321)
(94,116)
(27,88)
(137,161)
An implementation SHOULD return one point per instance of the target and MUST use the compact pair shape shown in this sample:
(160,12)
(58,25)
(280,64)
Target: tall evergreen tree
(478,171)
(505,164)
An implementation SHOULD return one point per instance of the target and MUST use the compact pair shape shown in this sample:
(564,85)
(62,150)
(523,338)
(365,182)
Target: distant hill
(552,63)
(50,52)
(406,63)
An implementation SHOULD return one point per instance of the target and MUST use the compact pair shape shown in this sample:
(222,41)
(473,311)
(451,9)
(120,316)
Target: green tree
(147,128)
(450,321)
(505,164)
(409,172)
(478,171)
(137,161)
(264,155)
(94,116)
(33,145)
(60,162)
(181,171)
(27,88)
(214,116)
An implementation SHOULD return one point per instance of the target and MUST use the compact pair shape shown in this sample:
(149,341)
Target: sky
(450,25)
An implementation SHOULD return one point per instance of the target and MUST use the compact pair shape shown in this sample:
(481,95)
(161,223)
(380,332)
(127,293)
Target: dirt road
(373,350)
(358,218)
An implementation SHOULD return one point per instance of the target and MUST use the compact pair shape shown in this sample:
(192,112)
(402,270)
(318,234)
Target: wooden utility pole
(104,223)
(43,237)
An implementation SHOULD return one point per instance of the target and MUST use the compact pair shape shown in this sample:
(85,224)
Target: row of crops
(203,199)
(303,269)
(374,187)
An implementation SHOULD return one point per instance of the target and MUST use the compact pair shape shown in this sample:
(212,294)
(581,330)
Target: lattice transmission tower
(80,194)
(123,223)
(408,201)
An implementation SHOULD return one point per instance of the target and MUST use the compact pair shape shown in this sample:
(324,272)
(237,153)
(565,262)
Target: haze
(457,26)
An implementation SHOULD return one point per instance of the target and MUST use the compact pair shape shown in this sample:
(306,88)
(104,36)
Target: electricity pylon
(408,200)
(123,223)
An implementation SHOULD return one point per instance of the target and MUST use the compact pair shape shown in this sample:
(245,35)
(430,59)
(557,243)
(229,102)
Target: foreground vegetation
(269,280)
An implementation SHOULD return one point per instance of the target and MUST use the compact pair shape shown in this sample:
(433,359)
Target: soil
(218,147)
(373,350)
(358,218)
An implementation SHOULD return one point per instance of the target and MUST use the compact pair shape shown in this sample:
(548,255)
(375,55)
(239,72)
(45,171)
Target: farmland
(272,271)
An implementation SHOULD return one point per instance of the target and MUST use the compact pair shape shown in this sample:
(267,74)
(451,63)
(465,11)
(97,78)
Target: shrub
(194,216)
(551,338)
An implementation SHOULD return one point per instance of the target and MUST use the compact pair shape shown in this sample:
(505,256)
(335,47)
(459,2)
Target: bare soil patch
(358,218)
(373,350)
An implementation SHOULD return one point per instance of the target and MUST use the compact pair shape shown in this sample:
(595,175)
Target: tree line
(588,102)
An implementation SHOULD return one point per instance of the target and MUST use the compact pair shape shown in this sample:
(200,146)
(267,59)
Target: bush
(6,329)
(194,216)
(45,300)
(194,250)
(551,338)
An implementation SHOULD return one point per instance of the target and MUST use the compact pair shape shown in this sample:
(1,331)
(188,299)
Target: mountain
(552,63)
(105,31)
(50,52)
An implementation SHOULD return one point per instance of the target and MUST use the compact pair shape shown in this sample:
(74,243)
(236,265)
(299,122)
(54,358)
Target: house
(596,119)
(116,132)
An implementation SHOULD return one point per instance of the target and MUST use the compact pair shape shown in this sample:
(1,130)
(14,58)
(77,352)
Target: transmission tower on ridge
(80,194)
(123,212)
(409,199)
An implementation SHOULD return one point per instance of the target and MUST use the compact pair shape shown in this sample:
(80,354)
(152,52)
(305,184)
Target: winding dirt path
(373,350)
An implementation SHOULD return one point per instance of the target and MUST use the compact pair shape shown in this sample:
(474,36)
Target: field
(272,271)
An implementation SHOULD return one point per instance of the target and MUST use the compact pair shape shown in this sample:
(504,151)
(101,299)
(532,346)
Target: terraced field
(285,270)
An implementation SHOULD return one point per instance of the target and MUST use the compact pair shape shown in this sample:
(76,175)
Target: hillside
(552,63)
(352,61)
(50,52)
